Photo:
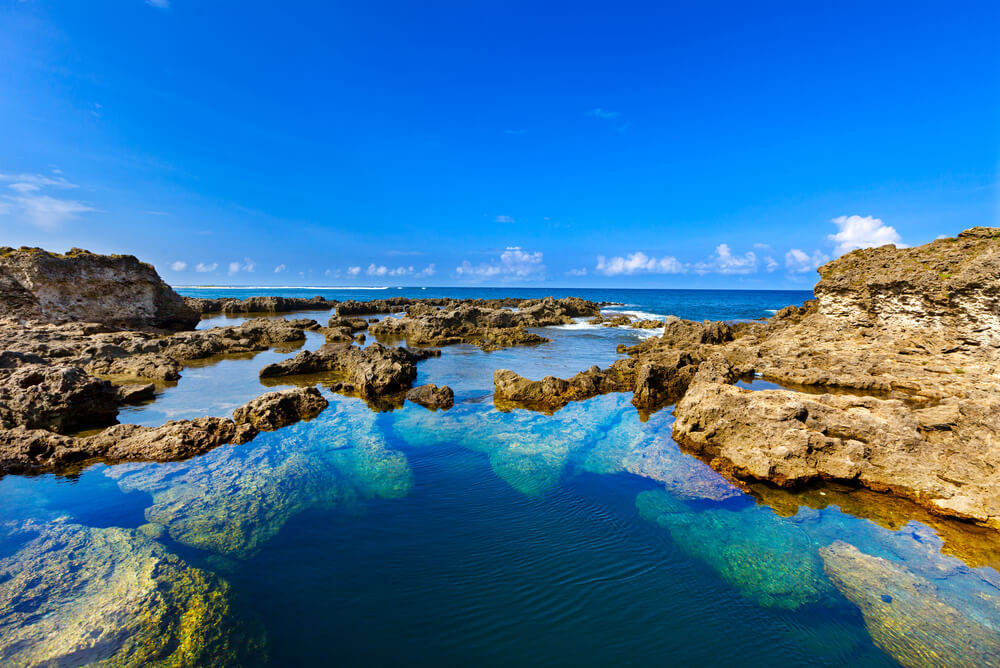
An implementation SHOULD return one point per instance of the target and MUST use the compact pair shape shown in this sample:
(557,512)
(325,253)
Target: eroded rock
(274,410)
(431,396)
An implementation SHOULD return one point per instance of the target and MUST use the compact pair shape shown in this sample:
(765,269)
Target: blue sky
(490,143)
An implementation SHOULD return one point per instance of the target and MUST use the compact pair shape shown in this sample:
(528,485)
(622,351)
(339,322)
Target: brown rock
(274,410)
(433,397)
(58,398)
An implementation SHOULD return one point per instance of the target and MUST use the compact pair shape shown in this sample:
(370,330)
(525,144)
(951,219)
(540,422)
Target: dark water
(474,536)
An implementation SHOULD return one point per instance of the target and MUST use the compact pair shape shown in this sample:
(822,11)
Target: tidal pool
(474,536)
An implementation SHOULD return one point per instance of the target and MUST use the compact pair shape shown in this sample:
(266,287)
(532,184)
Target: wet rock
(350,324)
(176,439)
(58,398)
(75,595)
(370,372)
(274,410)
(251,336)
(24,450)
(267,304)
(80,286)
(431,396)
(147,365)
(910,617)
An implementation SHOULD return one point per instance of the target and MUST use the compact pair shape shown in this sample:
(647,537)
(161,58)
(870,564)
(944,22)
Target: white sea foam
(772,311)
(641,315)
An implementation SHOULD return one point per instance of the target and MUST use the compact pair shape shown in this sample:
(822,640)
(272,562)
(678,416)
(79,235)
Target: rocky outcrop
(55,397)
(268,304)
(485,325)
(114,290)
(371,373)
(24,449)
(431,396)
(274,410)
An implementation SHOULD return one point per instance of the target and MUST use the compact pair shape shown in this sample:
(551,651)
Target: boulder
(431,396)
(55,397)
(274,410)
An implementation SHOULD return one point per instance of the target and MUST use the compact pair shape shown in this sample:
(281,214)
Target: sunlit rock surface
(73,595)
(233,500)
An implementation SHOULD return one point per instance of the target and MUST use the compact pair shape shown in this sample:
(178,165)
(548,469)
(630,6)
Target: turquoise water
(473,536)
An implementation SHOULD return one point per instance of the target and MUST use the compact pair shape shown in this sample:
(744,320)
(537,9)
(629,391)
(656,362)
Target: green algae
(73,595)
(773,564)
(234,499)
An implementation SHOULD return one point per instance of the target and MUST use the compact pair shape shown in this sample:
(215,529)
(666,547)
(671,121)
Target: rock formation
(274,410)
(371,373)
(115,290)
(268,304)
(431,396)
(482,324)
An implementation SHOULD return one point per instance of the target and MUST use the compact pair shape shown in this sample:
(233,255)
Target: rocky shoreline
(887,380)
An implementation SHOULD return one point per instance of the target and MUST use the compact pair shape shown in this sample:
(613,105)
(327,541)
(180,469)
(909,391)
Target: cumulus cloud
(799,262)
(582,271)
(205,268)
(504,219)
(770,263)
(862,232)
(353,271)
(236,267)
(34,206)
(514,264)
(639,262)
(180,265)
(280,268)
(724,262)
(429,270)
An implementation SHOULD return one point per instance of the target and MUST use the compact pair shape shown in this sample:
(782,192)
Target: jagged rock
(274,410)
(251,336)
(484,324)
(909,617)
(351,324)
(176,439)
(431,396)
(147,365)
(80,286)
(370,372)
(76,595)
(267,304)
(59,398)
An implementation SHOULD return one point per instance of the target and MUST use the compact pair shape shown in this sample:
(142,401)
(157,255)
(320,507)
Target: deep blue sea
(479,537)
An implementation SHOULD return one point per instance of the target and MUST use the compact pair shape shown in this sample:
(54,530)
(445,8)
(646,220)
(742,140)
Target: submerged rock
(75,595)
(233,500)
(910,617)
(431,396)
(80,286)
(775,565)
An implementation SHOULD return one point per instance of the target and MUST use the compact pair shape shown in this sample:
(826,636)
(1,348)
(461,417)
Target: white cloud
(764,247)
(429,270)
(724,262)
(582,271)
(504,219)
(248,265)
(602,113)
(280,268)
(205,268)
(799,262)
(180,265)
(770,262)
(377,271)
(514,264)
(39,209)
(635,263)
(862,232)
(353,271)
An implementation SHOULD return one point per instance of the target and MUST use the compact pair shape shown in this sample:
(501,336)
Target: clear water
(473,536)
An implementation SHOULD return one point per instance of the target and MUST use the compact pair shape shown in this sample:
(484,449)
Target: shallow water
(498,538)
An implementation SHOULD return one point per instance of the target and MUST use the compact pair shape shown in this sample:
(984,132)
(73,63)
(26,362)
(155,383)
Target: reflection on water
(473,535)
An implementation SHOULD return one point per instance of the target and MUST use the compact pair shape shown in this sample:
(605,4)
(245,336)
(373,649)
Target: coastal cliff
(79,286)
